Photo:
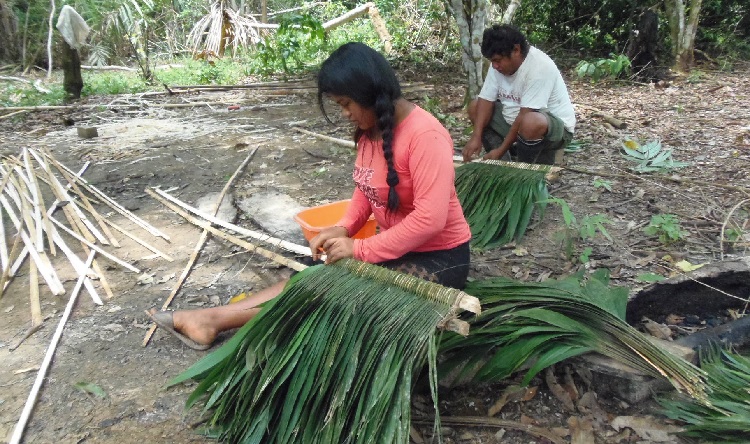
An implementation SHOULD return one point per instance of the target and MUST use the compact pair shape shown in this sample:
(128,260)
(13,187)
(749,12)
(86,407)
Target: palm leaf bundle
(331,359)
(545,323)
(726,418)
(498,200)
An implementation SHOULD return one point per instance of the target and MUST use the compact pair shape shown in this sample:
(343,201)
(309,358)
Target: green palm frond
(498,200)
(332,359)
(552,321)
(726,418)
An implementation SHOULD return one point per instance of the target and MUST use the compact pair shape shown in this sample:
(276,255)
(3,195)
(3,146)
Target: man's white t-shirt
(536,84)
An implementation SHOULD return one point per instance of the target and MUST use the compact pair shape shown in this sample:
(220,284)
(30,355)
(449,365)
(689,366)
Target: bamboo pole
(86,204)
(31,400)
(273,241)
(342,142)
(4,279)
(140,105)
(104,253)
(117,207)
(45,268)
(36,308)
(40,201)
(294,265)
(14,113)
(140,241)
(199,245)
(72,208)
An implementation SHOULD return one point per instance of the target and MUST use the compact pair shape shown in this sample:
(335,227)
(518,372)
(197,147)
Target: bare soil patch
(193,151)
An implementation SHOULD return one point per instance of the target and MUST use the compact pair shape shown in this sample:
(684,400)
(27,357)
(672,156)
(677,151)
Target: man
(524,103)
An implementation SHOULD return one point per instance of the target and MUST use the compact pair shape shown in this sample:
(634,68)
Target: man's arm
(499,152)
(484,111)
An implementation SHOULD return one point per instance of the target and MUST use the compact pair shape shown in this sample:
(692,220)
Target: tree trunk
(510,11)
(49,38)
(8,33)
(471,16)
(72,79)
(683,31)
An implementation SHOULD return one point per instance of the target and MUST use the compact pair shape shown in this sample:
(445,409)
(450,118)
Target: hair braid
(385,110)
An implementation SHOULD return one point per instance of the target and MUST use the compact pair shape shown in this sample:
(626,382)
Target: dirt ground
(192,151)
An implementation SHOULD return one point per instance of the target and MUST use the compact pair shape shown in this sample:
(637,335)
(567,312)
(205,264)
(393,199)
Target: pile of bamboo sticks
(36,233)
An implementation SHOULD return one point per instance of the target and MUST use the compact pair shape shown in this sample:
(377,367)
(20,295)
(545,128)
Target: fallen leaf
(9,309)
(558,390)
(90,388)
(165,278)
(581,430)
(26,370)
(657,330)
(687,266)
(146,279)
(511,393)
(650,277)
(521,251)
(648,428)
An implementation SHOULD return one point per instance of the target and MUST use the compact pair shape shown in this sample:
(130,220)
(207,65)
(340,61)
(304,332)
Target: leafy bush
(612,68)
(298,39)
(666,227)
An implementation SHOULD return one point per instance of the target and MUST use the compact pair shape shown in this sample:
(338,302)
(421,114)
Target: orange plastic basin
(314,219)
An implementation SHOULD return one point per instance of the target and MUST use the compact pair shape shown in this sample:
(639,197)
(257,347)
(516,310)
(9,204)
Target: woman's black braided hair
(359,72)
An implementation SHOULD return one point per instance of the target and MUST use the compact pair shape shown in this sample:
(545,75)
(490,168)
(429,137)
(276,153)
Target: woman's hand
(338,248)
(318,242)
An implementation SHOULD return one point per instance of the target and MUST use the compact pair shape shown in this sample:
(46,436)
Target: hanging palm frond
(498,200)
(332,359)
(552,321)
(222,27)
(726,418)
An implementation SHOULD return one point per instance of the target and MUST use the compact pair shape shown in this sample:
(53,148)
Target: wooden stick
(79,219)
(31,400)
(7,272)
(138,240)
(79,267)
(4,261)
(86,204)
(40,201)
(199,245)
(342,142)
(294,265)
(276,242)
(14,113)
(117,207)
(36,308)
(94,247)
(42,262)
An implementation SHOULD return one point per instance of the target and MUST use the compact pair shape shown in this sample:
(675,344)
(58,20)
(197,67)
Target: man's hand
(473,147)
(495,154)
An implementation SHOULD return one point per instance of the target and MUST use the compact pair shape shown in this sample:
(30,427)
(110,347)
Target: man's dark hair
(500,40)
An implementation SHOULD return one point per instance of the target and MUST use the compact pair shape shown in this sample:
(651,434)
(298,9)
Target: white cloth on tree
(72,27)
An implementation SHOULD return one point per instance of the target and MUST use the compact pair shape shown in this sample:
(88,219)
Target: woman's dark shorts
(446,267)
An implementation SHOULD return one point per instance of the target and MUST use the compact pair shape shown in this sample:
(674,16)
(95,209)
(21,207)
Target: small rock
(114,327)
(499,434)
(114,309)
(87,132)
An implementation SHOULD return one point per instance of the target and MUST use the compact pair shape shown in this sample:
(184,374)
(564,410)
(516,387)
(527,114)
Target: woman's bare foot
(196,325)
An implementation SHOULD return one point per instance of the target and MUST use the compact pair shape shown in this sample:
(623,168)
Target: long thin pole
(199,246)
(31,400)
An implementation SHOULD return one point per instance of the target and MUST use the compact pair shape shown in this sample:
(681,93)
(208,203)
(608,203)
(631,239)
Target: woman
(403,175)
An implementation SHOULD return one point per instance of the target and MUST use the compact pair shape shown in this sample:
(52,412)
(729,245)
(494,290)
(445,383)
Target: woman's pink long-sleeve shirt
(429,216)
